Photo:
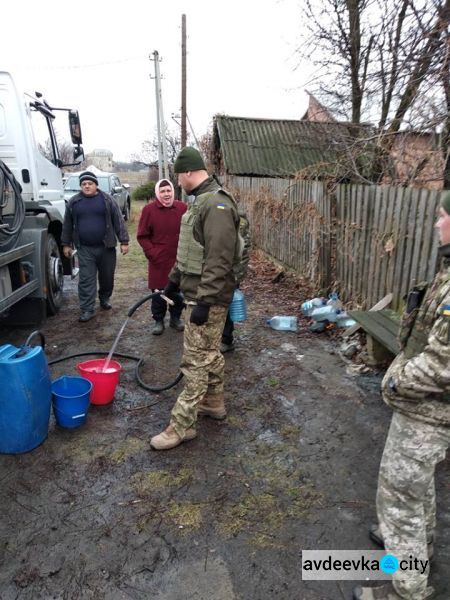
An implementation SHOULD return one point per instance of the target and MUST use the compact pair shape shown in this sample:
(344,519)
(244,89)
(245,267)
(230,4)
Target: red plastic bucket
(104,382)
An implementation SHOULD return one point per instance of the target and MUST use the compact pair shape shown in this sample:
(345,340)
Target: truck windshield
(73,184)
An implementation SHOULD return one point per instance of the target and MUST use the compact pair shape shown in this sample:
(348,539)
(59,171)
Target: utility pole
(163,166)
(183,82)
(158,120)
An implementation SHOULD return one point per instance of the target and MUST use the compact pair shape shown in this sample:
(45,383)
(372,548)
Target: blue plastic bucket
(71,400)
(25,398)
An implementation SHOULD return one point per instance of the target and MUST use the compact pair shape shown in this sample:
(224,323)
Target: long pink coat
(158,233)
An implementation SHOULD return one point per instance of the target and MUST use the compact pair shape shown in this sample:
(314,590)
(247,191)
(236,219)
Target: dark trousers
(95,261)
(228,328)
(159,307)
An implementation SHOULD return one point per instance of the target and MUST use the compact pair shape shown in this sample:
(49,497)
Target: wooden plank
(383,303)
(401,222)
(337,226)
(407,257)
(374,249)
(384,319)
(383,229)
(416,238)
(391,231)
(368,224)
(433,258)
(380,325)
(428,235)
(362,238)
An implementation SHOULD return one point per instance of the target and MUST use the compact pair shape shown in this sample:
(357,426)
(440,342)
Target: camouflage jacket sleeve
(429,372)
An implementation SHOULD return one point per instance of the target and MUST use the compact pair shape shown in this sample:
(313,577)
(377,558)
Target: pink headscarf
(164,183)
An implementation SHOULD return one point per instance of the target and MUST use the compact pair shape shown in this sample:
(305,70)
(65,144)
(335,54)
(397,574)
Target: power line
(84,66)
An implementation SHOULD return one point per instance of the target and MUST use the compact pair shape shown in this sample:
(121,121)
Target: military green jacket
(418,381)
(215,228)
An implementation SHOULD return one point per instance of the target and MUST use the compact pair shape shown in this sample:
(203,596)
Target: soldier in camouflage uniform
(417,387)
(209,249)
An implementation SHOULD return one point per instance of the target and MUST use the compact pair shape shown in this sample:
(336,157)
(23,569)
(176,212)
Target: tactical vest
(190,253)
(416,326)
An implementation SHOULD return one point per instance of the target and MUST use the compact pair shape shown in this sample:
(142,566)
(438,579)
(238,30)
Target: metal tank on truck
(32,206)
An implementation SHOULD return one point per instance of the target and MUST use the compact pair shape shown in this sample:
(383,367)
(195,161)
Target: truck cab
(32,204)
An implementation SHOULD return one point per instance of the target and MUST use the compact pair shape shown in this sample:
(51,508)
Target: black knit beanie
(189,159)
(445,202)
(88,176)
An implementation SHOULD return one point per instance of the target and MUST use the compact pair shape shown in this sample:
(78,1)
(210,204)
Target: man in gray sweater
(93,223)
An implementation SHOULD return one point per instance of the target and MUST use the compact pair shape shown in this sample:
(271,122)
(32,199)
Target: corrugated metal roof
(277,148)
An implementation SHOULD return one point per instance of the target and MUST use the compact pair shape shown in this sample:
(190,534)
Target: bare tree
(149,148)
(65,150)
(376,58)
(445,137)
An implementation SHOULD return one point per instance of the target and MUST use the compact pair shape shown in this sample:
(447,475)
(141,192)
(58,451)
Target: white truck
(32,205)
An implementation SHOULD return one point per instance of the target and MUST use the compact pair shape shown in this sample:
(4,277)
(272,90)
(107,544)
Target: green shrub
(144,192)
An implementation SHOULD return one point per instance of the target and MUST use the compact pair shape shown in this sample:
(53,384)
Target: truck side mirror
(75,127)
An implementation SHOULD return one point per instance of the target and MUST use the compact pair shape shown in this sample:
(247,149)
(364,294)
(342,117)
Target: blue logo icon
(389,564)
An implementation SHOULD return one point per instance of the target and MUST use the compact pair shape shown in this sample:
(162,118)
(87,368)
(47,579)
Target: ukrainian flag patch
(445,310)
(222,207)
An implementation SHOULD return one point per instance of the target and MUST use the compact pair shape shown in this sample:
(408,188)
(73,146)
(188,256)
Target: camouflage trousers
(406,502)
(202,365)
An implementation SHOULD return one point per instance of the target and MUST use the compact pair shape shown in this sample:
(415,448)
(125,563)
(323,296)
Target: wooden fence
(363,241)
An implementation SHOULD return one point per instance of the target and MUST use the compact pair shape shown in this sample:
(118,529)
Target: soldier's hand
(67,251)
(200,313)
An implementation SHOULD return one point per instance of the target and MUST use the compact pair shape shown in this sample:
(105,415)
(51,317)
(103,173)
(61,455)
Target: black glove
(171,289)
(200,313)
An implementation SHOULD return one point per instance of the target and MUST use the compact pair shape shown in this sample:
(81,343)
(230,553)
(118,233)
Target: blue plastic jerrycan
(25,398)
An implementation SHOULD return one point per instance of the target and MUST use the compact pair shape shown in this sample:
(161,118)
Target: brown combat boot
(213,406)
(169,438)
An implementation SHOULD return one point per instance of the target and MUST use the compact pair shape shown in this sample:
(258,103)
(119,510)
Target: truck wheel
(54,276)
(126,211)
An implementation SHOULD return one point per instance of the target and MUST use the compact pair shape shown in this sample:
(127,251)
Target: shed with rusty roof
(279,147)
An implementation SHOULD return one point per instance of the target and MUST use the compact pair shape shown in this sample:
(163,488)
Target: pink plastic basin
(104,382)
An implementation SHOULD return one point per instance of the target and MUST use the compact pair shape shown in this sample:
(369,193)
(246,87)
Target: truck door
(48,184)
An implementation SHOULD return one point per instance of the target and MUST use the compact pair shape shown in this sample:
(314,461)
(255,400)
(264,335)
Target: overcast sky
(94,56)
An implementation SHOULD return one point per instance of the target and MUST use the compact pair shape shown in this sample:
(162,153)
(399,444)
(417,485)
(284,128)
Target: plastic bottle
(333,300)
(329,312)
(309,305)
(324,313)
(345,320)
(283,323)
(238,308)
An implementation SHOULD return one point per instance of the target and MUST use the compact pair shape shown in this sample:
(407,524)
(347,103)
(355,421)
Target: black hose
(140,302)
(10,231)
(140,360)
(31,336)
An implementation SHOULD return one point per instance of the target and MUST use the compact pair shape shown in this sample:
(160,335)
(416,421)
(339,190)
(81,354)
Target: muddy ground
(94,513)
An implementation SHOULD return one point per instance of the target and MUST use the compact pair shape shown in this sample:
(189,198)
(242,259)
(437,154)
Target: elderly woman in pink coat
(158,232)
